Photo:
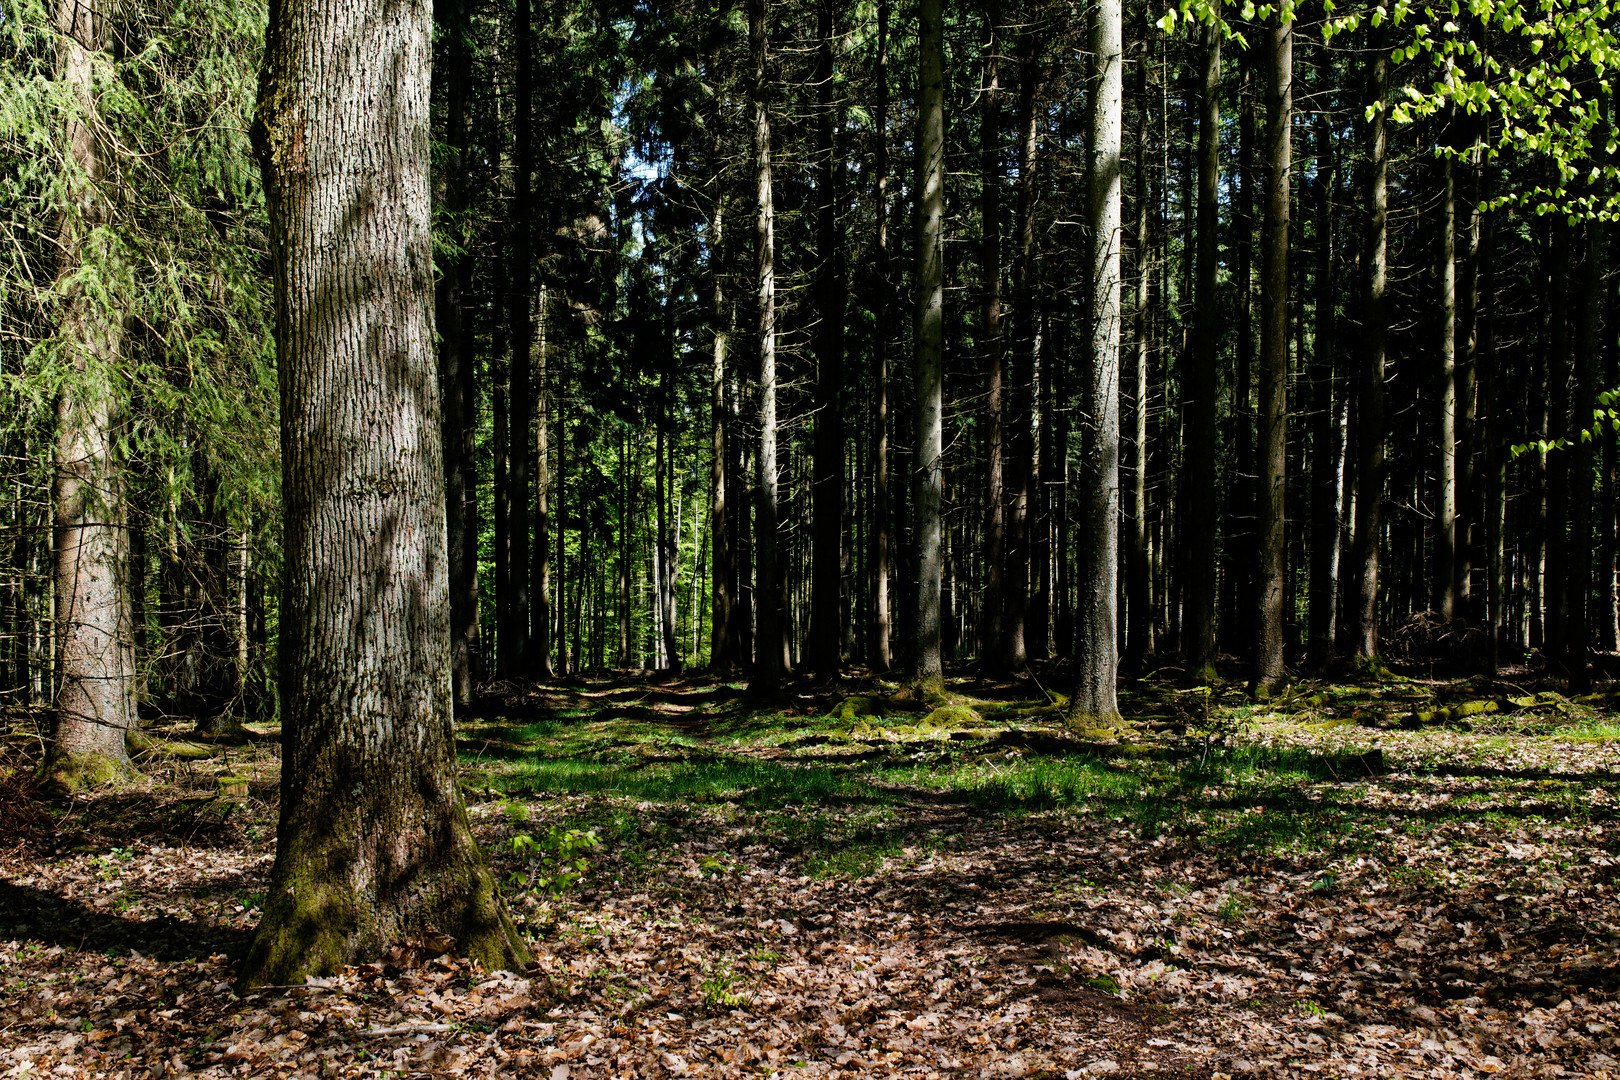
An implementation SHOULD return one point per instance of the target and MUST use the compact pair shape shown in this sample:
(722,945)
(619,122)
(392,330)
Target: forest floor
(1352,881)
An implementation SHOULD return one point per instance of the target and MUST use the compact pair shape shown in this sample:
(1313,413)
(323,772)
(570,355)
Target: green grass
(729,779)
(758,775)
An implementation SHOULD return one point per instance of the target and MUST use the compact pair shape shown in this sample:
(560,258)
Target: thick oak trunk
(373,844)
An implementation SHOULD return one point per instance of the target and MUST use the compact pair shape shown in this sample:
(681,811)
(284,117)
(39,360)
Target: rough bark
(1095,701)
(95,649)
(928,331)
(1272,436)
(373,842)
(769,633)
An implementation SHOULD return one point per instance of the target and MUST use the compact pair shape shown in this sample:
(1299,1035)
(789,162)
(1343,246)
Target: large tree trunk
(373,843)
(927,674)
(95,654)
(990,177)
(770,632)
(457,387)
(827,510)
(1375,330)
(1272,436)
(1199,457)
(1095,702)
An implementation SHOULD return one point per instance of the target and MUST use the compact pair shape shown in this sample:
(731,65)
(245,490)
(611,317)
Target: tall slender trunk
(1095,701)
(94,704)
(519,285)
(1238,624)
(1608,610)
(1375,329)
(1203,383)
(624,553)
(1445,548)
(540,632)
(1469,510)
(1583,452)
(1138,567)
(1495,463)
(457,364)
(1021,389)
(882,624)
(722,603)
(1327,443)
(668,522)
(560,526)
(1555,596)
(928,329)
(1038,620)
(1273,417)
(990,180)
(769,662)
(501,495)
(827,483)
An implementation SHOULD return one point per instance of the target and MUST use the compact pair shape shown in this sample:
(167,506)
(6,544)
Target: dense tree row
(796,335)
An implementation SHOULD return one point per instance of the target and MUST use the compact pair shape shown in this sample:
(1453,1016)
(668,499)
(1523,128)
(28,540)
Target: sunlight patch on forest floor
(1315,886)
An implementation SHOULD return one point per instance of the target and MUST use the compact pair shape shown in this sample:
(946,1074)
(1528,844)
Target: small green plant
(107,865)
(1231,909)
(1311,1008)
(722,985)
(556,859)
